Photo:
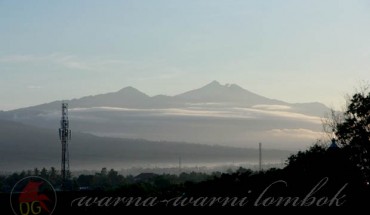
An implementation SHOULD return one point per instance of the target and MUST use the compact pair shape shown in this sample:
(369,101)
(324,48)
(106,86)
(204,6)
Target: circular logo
(33,196)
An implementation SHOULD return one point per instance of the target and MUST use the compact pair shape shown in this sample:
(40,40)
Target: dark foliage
(354,132)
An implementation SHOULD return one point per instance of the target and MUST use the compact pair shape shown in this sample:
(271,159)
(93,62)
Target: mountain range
(215,115)
(229,95)
(26,147)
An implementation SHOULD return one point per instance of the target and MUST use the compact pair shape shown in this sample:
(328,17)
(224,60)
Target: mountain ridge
(130,97)
(213,114)
(21,149)
(214,91)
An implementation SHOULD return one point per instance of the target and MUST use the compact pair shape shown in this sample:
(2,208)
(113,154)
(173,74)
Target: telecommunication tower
(260,156)
(65,137)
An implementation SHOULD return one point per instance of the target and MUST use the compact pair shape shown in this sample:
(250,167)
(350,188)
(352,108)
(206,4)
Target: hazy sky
(297,51)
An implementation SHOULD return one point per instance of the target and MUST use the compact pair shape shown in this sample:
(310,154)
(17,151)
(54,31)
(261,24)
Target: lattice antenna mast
(260,156)
(65,137)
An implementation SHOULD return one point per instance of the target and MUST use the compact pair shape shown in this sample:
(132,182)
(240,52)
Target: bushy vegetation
(106,179)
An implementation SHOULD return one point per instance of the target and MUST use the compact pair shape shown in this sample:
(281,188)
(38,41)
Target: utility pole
(180,163)
(260,156)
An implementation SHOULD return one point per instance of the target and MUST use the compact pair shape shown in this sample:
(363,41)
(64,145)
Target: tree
(354,132)
(53,174)
(85,180)
(113,178)
(36,172)
(104,171)
(309,162)
(331,121)
(1,183)
(44,173)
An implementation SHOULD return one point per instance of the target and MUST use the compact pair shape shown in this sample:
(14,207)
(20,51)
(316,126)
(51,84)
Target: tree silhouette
(44,173)
(36,171)
(354,132)
(53,175)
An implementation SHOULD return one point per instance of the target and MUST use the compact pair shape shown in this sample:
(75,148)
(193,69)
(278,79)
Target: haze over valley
(215,123)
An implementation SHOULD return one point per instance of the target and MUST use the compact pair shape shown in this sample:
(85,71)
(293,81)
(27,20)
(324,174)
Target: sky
(295,51)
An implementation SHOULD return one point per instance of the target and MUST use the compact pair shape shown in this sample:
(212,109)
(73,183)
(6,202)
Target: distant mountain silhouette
(127,97)
(26,147)
(213,114)
(215,92)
